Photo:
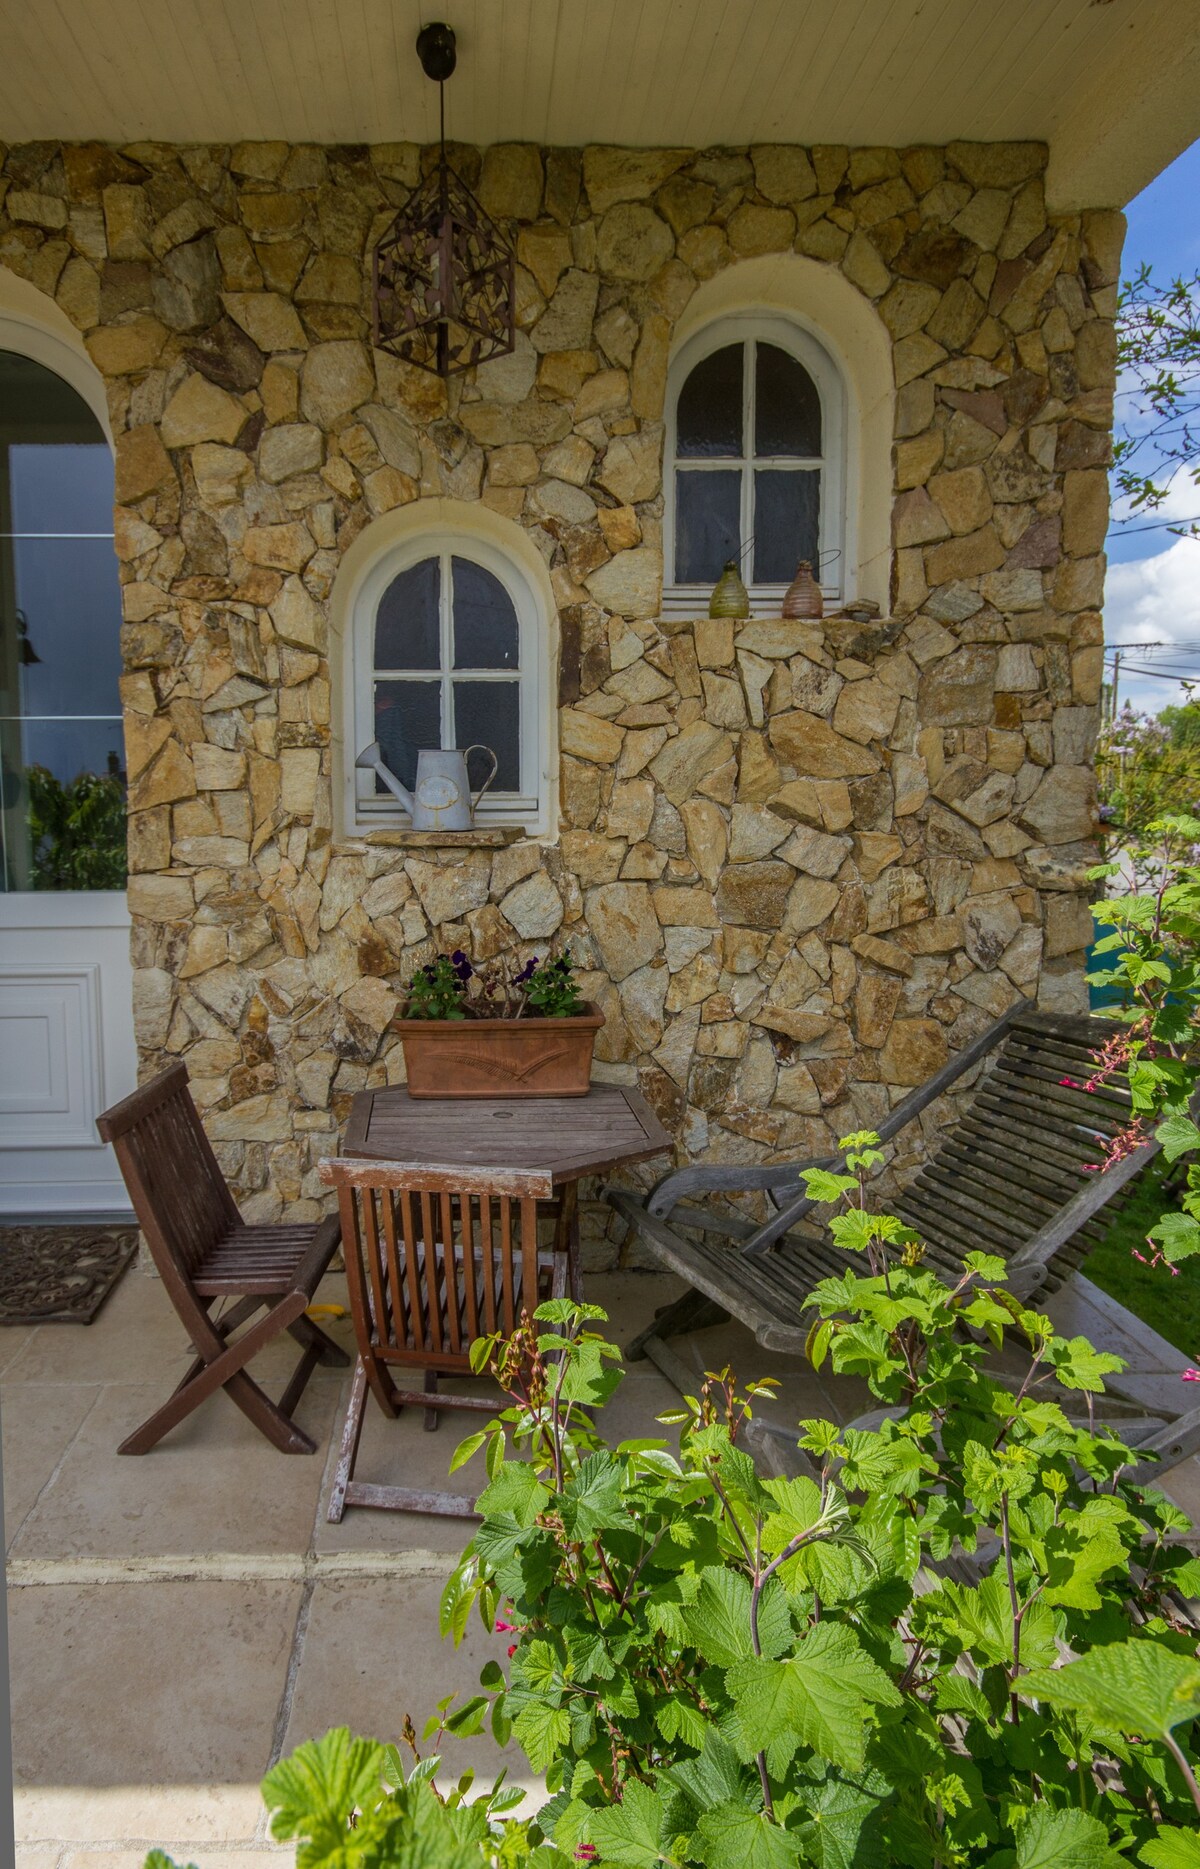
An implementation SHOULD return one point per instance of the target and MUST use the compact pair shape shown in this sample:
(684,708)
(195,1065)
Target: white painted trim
(68,908)
(393,543)
(822,301)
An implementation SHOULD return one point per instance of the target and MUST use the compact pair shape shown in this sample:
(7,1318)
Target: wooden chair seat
(268,1260)
(436,1257)
(204,1253)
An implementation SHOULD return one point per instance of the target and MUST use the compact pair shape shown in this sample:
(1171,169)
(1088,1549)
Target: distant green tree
(1158,395)
(1183,723)
(1148,767)
(76,830)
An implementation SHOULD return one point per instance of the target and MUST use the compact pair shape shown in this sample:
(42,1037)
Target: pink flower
(585,1853)
(1191,1375)
(1068,1083)
(505,1628)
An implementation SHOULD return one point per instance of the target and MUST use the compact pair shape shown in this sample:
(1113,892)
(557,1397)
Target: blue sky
(1153,587)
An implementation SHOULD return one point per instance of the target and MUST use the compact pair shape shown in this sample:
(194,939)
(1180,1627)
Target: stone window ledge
(482,837)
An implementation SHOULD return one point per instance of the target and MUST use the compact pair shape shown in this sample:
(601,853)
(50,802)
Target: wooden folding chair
(203,1253)
(435,1257)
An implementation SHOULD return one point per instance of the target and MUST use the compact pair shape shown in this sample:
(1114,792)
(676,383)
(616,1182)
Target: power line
(1119,530)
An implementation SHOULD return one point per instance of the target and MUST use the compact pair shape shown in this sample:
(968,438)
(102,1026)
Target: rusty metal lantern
(443,272)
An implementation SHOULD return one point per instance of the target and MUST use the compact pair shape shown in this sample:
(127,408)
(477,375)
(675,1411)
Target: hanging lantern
(443,273)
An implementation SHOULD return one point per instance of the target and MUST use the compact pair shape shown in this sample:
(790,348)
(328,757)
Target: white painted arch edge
(823,302)
(34,326)
(397,536)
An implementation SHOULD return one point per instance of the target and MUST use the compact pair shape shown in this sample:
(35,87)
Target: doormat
(60,1275)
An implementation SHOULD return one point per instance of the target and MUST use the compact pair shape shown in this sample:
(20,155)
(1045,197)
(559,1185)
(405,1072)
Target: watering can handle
(467,751)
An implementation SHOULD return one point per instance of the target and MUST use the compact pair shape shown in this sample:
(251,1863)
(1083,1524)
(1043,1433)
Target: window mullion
(749,372)
(447,622)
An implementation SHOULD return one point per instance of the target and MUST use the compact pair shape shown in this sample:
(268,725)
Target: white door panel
(66,1049)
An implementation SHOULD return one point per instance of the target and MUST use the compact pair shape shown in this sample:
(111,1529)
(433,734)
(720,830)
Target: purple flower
(527,971)
(461,965)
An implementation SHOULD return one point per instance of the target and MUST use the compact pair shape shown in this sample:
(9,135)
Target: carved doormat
(60,1275)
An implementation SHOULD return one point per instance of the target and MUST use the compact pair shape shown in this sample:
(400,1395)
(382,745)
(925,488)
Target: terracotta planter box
(500,1057)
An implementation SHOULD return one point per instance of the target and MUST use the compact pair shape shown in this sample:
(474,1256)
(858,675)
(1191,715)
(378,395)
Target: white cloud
(1154,600)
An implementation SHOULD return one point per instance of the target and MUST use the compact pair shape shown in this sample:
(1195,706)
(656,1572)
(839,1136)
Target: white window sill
(690,601)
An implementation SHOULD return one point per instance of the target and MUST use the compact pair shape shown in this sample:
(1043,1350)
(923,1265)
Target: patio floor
(177,1622)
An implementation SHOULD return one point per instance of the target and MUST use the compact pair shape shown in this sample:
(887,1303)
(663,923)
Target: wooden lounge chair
(1013,1176)
(436,1257)
(203,1253)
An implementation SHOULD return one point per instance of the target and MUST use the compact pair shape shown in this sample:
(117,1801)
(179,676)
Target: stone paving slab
(145,1711)
(213,1485)
(40,1421)
(372,1653)
(201,1593)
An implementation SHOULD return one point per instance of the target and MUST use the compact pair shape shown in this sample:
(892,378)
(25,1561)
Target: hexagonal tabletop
(568,1136)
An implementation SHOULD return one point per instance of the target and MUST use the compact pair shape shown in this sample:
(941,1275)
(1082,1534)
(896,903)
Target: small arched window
(448,654)
(755,444)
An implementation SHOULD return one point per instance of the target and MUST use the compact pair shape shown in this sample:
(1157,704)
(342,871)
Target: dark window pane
(61,601)
(708,418)
(488,713)
(787,509)
(407,633)
(707,524)
(36,405)
(65,489)
(408,716)
(485,623)
(62,804)
(787,408)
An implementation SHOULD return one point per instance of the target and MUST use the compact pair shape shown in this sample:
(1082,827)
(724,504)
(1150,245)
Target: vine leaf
(1172,1849)
(1050,1839)
(629,1832)
(313,1792)
(1137,1687)
(736,1838)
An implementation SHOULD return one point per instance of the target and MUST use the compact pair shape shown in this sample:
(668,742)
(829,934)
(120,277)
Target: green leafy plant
(1152,951)
(859,1665)
(76,830)
(348,1803)
(551,991)
(1147,766)
(450,987)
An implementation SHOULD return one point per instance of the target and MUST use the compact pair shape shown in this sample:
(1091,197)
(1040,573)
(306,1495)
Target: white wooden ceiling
(1112,85)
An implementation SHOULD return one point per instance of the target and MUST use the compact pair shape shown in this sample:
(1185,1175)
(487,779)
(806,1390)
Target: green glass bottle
(730,597)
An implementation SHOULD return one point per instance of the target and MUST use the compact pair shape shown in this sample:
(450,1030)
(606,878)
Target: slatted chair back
(436,1257)
(1025,1154)
(178,1192)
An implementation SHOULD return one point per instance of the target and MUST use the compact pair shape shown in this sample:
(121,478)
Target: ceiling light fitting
(443,272)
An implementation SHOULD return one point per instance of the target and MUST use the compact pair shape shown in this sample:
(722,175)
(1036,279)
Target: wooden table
(569,1136)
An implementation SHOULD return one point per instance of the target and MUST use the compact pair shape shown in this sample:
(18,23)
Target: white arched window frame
(527,806)
(792,337)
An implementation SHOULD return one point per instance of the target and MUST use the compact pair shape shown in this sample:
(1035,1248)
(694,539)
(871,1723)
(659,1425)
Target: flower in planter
(451,987)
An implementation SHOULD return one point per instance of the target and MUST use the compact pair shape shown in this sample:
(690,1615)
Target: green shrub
(955,1644)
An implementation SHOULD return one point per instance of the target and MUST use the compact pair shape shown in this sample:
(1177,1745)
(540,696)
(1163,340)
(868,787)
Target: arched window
(62,755)
(448,653)
(755,441)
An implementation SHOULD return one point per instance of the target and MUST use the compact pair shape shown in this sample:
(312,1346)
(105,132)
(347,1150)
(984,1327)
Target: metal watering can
(441,798)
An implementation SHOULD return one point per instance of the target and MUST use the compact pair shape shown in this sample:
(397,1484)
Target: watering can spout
(371,760)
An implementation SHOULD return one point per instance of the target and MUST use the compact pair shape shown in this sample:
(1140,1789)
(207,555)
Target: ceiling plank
(1111,87)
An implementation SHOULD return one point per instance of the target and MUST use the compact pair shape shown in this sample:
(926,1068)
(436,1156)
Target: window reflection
(62,780)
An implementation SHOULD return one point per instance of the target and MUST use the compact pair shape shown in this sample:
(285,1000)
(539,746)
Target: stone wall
(799,863)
